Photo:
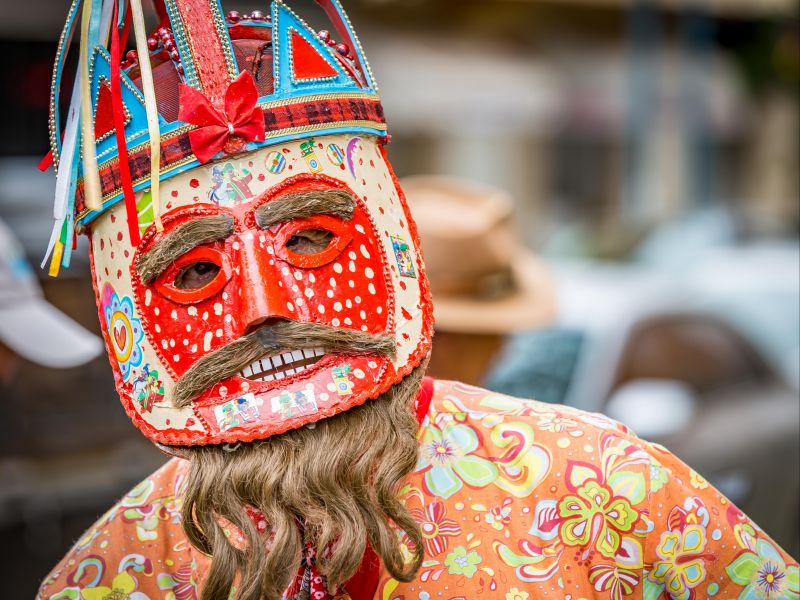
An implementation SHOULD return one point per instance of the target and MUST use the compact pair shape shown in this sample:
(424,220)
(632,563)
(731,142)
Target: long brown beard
(340,480)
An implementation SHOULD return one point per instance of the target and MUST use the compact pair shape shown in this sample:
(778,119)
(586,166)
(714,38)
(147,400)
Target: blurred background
(649,150)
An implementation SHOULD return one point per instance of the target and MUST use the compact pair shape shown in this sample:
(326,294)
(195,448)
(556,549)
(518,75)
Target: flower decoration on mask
(125,332)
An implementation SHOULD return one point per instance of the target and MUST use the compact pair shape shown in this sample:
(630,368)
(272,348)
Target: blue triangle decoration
(284,23)
(132,99)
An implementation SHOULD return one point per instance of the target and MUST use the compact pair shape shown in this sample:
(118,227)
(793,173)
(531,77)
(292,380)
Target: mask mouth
(277,366)
(263,355)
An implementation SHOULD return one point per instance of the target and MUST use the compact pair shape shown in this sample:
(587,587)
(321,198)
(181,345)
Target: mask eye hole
(313,242)
(196,276)
(309,241)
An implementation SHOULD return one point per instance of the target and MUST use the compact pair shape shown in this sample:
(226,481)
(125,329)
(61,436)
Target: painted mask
(277,280)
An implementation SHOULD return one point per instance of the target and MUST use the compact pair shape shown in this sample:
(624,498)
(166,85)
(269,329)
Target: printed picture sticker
(402,253)
(231,186)
(275,162)
(236,412)
(293,404)
(147,388)
(344,387)
(335,154)
(307,150)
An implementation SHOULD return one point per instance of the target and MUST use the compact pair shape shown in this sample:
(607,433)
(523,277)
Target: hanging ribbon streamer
(124,21)
(95,22)
(150,106)
(67,164)
(95,18)
(119,130)
(91,175)
(99,23)
(60,142)
(108,12)
(58,251)
(65,41)
(69,239)
(51,244)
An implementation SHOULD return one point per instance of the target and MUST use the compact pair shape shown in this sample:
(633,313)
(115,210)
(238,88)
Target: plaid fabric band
(313,115)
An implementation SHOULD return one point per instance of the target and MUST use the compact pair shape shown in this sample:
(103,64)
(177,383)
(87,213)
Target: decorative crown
(210,84)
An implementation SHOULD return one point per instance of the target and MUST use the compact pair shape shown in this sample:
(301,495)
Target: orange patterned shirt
(516,500)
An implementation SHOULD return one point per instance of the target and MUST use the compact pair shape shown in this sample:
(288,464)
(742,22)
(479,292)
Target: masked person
(290,325)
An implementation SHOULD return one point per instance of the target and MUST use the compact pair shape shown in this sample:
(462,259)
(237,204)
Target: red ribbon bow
(242,121)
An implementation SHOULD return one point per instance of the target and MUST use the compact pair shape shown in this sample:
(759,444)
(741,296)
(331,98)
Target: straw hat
(482,278)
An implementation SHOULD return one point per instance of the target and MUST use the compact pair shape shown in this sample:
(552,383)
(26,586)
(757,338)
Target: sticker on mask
(231,185)
(144,207)
(275,162)
(236,412)
(295,404)
(335,155)
(344,387)
(352,146)
(307,150)
(147,388)
(402,253)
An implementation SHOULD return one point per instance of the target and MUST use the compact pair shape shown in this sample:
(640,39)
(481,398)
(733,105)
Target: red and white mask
(361,271)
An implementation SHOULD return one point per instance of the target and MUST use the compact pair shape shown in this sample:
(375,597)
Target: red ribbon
(118,114)
(242,120)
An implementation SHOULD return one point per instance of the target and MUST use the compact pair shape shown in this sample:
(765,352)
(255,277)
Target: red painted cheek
(343,293)
(350,291)
(183,333)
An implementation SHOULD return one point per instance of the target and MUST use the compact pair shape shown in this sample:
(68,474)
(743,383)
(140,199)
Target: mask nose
(262,298)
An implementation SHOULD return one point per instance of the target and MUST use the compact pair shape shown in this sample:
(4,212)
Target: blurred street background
(651,152)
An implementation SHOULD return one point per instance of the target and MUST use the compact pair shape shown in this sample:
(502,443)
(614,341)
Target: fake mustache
(273,339)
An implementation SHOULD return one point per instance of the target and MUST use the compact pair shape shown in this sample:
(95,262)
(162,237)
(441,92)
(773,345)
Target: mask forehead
(375,284)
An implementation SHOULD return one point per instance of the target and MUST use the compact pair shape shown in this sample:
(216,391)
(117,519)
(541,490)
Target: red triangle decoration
(104,115)
(307,62)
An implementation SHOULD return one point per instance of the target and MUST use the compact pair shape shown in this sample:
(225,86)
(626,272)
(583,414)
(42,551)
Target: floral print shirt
(516,500)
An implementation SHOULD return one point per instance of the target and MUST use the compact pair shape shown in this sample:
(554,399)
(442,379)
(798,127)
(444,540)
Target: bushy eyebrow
(301,205)
(180,240)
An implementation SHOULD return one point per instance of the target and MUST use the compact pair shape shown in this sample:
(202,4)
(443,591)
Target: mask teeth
(278,366)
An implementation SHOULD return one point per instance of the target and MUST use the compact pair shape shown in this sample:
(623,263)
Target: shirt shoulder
(479,441)
(467,401)
(518,497)
(136,546)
